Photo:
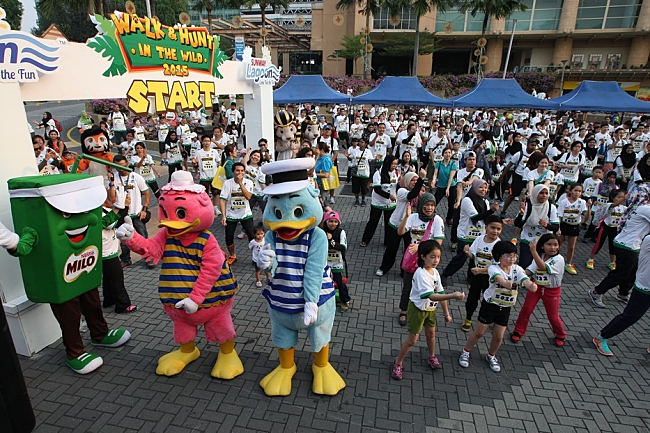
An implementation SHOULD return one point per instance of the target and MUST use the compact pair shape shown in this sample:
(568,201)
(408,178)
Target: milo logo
(78,264)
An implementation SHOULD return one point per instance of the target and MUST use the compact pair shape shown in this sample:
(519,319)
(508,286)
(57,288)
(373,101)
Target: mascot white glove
(265,257)
(311,313)
(188,305)
(8,239)
(126,230)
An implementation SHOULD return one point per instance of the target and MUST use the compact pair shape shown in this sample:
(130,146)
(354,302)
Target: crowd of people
(567,177)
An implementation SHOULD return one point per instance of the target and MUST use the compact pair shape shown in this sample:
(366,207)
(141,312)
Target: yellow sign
(168,96)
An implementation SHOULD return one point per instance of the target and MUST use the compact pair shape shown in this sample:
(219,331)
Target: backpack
(58,125)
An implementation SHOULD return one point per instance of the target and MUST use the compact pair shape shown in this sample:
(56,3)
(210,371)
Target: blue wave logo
(21,49)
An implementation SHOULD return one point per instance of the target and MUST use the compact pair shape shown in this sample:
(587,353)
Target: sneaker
(590,264)
(85,363)
(434,363)
(501,203)
(363,203)
(515,337)
(114,338)
(397,372)
(494,363)
(126,264)
(379,273)
(242,235)
(623,298)
(151,264)
(129,309)
(464,359)
(466,325)
(596,299)
(345,306)
(516,198)
(513,241)
(258,284)
(612,266)
(357,203)
(232,259)
(332,201)
(601,345)
(559,342)
(570,269)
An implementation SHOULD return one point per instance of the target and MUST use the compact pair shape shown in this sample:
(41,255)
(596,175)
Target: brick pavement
(540,388)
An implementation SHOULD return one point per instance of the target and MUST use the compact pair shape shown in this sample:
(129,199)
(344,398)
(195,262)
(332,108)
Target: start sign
(169,95)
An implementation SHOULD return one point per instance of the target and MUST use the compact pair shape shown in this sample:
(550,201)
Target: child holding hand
(426,292)
(498,300)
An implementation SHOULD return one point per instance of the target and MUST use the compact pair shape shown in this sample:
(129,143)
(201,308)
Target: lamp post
(564,62)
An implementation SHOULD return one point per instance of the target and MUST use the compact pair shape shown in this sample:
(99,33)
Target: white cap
(289,175)
(183,181)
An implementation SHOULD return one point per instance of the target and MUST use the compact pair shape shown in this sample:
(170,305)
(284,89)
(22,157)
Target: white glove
(265,257)
(8,239)
(188,305)
(126,230)
(311,313)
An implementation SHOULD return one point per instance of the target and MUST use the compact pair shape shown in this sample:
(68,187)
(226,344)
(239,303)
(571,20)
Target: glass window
(383,20)
(540,15)
(462,22)
(607,14)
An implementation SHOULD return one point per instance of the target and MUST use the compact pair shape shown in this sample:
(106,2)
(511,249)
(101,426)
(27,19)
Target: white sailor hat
(289,175)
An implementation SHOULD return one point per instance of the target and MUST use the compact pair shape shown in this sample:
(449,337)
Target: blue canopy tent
(500,93)
(603,96)
(308,88)
(401,91)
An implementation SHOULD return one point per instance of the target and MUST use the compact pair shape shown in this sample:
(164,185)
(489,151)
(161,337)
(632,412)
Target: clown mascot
(95,142)
(285,135)
(300,294)
(195,286)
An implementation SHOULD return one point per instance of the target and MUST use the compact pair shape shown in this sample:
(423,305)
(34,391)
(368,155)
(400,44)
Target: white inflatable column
(259,116)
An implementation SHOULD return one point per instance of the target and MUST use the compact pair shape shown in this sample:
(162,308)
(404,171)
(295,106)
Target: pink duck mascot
(196,286)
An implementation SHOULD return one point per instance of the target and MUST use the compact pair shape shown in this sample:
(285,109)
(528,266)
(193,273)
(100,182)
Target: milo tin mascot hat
(65,212)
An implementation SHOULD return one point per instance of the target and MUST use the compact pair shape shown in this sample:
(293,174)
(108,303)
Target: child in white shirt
(255,245)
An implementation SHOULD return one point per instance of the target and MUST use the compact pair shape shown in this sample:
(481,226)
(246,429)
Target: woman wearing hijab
(47,122)
(536,218)
(411,190)
(591,158)
(474,208)
(416,225)
(624,165)
(383,199)
(85,122)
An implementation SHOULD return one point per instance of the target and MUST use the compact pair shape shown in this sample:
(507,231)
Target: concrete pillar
(568,18)
(425,65)
(643,23)
(562,50)
(494,51)
(639,51)
(286,63)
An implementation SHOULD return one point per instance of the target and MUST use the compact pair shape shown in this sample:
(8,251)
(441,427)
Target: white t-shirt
(642,282)
(482,252)
(183,133)
(132,184)
(621,171)
(255,175)
(552,275)
(361,159)
(255,248)
(571,213)
(381,146)
(437,145)
(612,153)
(110,244)
(208,162)
(237,207)
(145,169)
(464,172)
(417,227)
(139,133)
(614,214)
(575,164)
(400,208)
(636,227)
(335,257)
(118,121)
(425,285)
(467,229)
(590,187)
(412,146)
(174,155)
(379,201)
(538,177)
(504,297)
(163,130)
(533,233)
(233,116)
(519,160)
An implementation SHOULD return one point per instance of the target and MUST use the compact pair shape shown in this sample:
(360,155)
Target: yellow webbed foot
(278,382)
(327,381)
(228,366)
(174,362)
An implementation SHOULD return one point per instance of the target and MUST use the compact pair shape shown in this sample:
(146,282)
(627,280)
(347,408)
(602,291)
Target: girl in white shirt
(143,164)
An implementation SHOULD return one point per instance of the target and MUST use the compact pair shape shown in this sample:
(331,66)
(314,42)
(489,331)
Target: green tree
(73,23)
(49,8)
(14,10)
(498,9)
(401,45)
(264,5)
(351,48)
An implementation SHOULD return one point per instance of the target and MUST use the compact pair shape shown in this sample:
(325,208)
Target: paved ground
(540,388)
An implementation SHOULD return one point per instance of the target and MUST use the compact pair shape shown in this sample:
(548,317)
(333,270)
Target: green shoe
(85,363)
(114,338)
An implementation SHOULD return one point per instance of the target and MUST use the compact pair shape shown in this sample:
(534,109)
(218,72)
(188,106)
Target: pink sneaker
(397,372)
(434,363)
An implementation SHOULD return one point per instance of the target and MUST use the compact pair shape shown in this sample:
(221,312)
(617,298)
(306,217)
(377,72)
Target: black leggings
(457,261)
(153,186)
(231,227)
(442,192)
(605,232)
(172,168)
(477,283)
(622,276)
(392,247)
(371,227)
(359,185)
(113,285)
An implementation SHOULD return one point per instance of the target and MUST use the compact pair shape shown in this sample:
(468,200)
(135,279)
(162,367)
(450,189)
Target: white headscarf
(539,210)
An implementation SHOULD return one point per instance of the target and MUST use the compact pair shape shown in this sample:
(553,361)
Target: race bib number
(627,172)
(504,297)
(207,164)
(238,203)
(474,232)
(362,165)
(145,170)
(638,146)
(602,200)
(589,192)
(430,305)
(542,278)
(332,256)
(572,217)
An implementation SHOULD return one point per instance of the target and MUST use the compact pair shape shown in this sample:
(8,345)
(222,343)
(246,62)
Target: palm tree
(368,8)
(264,4)
(47,7)
(421,8)
(205,6)
(498,9)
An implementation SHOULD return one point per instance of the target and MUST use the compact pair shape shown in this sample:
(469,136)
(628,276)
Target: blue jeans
(141,229)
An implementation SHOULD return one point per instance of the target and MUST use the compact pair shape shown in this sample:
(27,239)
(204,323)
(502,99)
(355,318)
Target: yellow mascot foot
(326,380)
(228,366)
(174,362)
(278,382)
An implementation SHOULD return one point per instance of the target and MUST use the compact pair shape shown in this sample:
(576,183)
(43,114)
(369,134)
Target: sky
(29,16)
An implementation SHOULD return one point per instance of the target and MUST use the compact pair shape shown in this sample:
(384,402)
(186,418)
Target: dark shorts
(208,187)
(569,230)
(518,185)
(491,313)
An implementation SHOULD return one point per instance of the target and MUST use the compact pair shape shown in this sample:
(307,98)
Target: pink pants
(216,321)
(550,297)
